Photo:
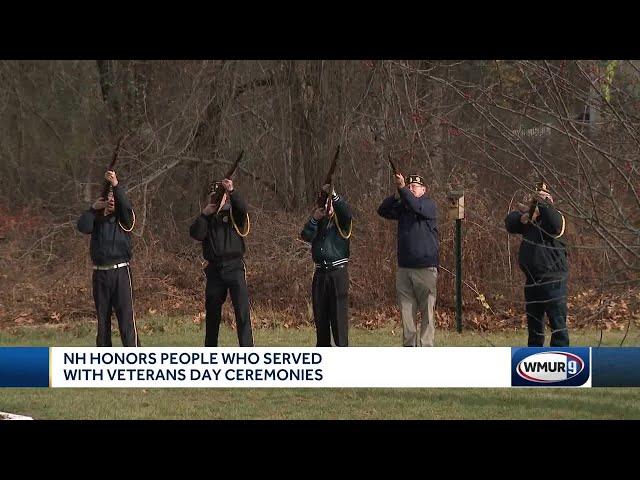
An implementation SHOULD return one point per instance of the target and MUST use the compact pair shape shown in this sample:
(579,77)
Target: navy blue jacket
(220,241)
(418,244)
(110,243)
(542,253)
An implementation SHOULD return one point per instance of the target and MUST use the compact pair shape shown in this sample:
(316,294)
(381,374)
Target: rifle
(323,196)
(393,166)
(107,186)
(217,190)
(540,186)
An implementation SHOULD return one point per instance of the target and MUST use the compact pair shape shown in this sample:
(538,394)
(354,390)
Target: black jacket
(328,246)
(418,244)
(220,240)
(542,254)
(110,243)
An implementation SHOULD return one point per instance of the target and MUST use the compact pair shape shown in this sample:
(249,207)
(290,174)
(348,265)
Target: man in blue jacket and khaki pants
(418,257)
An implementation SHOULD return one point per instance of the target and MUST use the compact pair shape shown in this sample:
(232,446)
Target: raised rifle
(540,187)
(107,186)
(217,190)
(393,166)
(323,196)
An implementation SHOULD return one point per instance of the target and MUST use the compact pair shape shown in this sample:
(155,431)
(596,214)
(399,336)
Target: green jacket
(329,247)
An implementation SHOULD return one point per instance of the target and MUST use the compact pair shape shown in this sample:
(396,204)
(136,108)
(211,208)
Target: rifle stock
(393,166)
(106,186)
(322,197)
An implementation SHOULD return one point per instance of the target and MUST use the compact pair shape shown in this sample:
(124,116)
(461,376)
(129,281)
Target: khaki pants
(416,289)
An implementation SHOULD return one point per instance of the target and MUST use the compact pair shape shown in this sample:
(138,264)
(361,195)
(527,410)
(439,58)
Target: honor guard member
(110,221)
(418,257)
(328,230)
(221,228)
(543,259)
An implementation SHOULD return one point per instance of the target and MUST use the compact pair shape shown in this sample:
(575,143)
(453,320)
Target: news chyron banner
(355,367)
(280,367)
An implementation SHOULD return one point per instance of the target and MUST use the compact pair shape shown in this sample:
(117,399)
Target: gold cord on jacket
(233,221)
(132,224)
(562,230)
(346,237)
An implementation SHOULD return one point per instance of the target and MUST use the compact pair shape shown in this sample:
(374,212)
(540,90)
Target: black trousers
(112,291)
(550,297)
(330,296)
(229,277)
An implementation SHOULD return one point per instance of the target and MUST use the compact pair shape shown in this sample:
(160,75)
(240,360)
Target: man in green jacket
(328,230)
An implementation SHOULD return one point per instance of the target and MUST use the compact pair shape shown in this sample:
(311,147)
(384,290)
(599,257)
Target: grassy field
(597,403)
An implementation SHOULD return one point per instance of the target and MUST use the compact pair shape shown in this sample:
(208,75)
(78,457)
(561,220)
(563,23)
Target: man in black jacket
(109,222)
(418,257)
(221,229)
(543,259)
(328,230)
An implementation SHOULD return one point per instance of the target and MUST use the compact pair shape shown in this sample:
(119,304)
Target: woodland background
(491,127)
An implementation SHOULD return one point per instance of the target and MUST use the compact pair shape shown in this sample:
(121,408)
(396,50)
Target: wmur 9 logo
(556,367)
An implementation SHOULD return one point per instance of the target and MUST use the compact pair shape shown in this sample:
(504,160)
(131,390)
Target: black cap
(416,179)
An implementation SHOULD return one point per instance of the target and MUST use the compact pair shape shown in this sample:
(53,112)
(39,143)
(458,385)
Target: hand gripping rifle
(107,186)
(540,186)
(216,189)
